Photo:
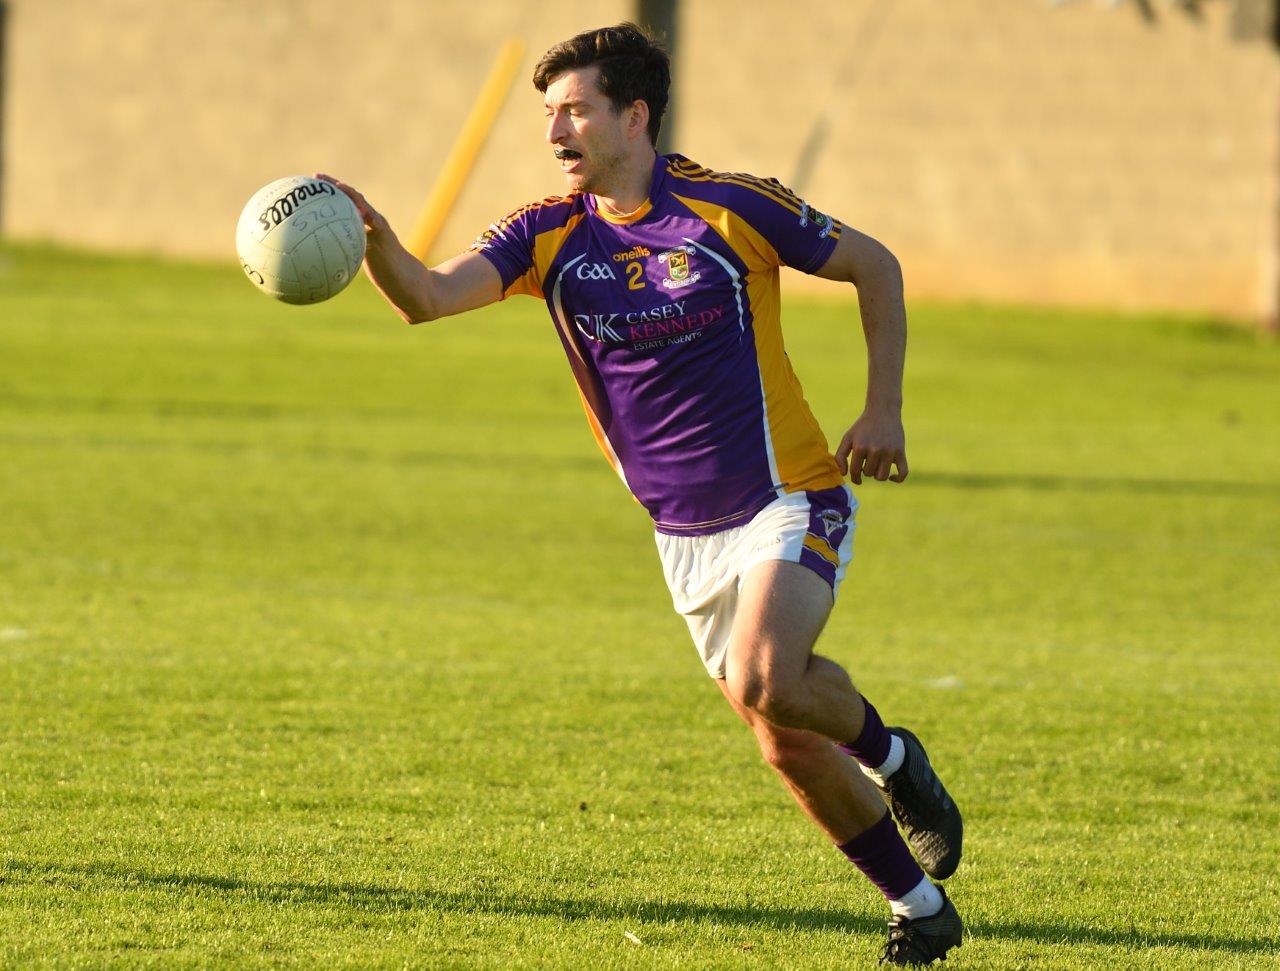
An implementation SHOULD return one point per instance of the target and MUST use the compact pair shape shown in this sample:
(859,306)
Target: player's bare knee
(743,684)
(788,751)
(775,699)
(777,753)
(781,704)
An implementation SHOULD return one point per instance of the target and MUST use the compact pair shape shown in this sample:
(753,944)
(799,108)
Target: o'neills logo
(287,204)
(631,254)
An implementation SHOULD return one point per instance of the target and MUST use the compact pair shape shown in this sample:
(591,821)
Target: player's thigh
(782,608)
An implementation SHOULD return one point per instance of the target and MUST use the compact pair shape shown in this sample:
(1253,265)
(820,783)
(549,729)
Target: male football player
(661,278)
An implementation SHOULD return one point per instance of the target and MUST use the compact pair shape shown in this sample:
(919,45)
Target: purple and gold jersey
(670,320)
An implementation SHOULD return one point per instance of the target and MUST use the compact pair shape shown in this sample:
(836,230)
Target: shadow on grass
(368,897)
(1080,483)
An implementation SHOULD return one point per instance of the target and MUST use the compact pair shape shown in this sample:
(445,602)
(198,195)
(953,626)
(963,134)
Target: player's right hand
(374,221)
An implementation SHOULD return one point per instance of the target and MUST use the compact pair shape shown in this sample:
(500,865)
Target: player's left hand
(873,446)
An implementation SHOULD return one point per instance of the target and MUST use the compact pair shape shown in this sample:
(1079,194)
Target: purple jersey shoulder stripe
(801,236)
(510,243)
(765,186)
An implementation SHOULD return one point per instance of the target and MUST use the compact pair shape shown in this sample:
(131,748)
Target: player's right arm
(419,294)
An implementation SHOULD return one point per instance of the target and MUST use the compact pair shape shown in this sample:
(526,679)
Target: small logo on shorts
(831,520)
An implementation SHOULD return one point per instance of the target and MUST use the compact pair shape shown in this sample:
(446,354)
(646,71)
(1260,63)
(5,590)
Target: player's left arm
(876,442)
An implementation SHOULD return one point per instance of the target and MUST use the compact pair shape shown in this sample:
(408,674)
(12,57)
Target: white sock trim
(924,901)
(897,753)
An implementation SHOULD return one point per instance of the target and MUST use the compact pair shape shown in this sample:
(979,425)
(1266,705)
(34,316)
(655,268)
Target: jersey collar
(656,183)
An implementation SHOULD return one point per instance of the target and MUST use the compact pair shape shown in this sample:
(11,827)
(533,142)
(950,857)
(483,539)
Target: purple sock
(884,859)
(871,747)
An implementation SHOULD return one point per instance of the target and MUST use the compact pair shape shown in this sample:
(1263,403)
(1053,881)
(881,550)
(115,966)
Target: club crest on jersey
(678,266)
(676,262)
(821,222)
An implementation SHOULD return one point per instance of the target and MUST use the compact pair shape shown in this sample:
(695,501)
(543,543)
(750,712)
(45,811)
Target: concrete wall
(1005,149)
(147,124)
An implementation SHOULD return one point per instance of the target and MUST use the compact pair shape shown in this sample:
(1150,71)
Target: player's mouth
(568,159)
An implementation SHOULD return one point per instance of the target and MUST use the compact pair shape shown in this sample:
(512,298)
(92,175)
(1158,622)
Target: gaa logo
(595,271)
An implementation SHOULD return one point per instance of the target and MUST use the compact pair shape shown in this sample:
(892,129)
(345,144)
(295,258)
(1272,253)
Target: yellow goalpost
(466,148)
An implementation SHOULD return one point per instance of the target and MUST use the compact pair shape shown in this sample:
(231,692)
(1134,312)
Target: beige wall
(1004,149)
(147,124)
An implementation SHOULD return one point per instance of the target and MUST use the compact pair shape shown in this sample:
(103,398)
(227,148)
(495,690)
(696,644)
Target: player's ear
(638,123)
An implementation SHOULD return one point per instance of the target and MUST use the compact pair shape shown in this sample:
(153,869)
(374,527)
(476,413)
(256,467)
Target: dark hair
(633,67)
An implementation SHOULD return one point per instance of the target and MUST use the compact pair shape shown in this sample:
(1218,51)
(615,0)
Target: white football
(300,239)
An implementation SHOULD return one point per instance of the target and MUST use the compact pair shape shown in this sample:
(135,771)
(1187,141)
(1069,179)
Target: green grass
(326,641)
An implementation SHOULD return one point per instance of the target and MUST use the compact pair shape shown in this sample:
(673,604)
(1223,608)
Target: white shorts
(704,573)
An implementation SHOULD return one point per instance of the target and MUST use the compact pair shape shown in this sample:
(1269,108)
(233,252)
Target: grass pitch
(325,641)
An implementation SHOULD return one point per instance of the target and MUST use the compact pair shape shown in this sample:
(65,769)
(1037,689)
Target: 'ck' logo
(598,327)
(595,271)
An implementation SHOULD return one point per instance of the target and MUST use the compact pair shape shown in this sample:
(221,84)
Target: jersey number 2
(635,276)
